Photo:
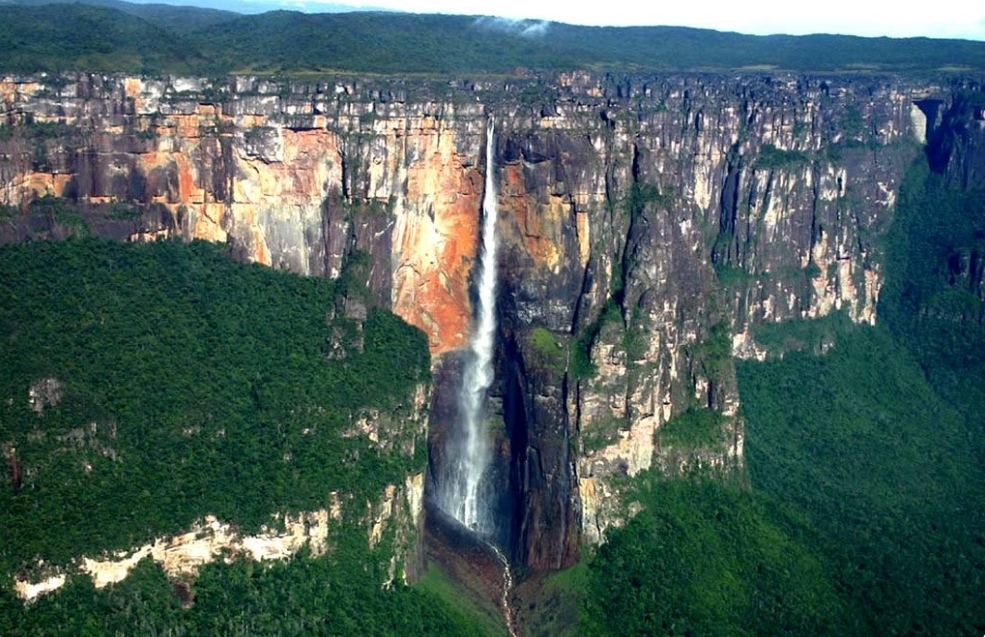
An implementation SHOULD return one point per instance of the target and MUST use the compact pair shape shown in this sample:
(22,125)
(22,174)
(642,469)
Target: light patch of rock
(45,393)
(28,591)
(182,555)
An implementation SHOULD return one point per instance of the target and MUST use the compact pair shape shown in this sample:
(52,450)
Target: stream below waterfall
(505,602)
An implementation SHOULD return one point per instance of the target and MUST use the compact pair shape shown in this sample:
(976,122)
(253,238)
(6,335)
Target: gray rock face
(646,222)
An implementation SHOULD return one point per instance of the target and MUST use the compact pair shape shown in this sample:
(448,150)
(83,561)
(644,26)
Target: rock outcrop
(182,555)
(647,224)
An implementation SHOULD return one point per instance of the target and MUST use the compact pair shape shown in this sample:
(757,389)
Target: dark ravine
(647,224)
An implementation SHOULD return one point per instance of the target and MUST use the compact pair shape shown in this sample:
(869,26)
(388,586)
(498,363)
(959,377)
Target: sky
(939,19)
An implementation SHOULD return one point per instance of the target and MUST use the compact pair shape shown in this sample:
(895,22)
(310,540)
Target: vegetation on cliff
(864,515)
(301,597)
(134,38)
(866,463)
(197,376)
(706,558)
(935,302)
(887,472)
(170,382)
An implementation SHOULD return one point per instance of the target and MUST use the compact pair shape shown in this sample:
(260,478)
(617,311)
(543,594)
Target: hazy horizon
(951,19)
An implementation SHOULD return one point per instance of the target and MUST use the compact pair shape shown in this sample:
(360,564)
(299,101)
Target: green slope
(191,385)
(119,36)
(866,467)
(865,514)
(170,17)
(887,472)
(705,558)
(374,43)
(89,38)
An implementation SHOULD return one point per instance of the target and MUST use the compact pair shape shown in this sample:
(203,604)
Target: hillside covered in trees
(179,384)
(154,39)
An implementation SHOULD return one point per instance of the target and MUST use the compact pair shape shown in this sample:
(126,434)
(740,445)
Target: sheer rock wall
(647,223)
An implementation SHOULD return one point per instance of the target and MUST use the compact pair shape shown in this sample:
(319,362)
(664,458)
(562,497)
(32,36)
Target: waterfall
(468,449)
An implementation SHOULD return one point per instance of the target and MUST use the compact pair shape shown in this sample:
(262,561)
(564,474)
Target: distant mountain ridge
(237,7)
(117,36)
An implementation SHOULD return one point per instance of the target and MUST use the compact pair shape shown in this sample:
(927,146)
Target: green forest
(189,384)
(862,507)
(111,36)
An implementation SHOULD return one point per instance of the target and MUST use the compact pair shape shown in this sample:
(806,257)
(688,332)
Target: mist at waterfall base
(462,487)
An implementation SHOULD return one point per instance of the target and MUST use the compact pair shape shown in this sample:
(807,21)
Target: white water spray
(468,449)
(505,603)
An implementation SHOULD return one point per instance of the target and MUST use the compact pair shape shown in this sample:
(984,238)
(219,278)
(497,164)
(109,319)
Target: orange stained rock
(60,182)
(11,89)
(435,244)
(26,186)
(260,252)
(154,159)
(188,190)
(188,126)
(306,153)
(132,87)
(246,217)
(307,143)
(8,90)
(435,235)
(584,238)
(249,121)
(513,182)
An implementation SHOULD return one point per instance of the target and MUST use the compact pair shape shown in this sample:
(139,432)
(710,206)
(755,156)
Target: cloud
(523,28)
(535,28)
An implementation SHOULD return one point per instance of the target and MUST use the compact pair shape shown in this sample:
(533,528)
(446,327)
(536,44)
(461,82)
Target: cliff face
(647,224)
(182,555)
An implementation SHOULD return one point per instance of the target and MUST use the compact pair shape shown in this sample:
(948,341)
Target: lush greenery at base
(885,470)
(559,606)
(437,583)
(934,301)
(302,597)
(866,514)
(182,383)
(704,558)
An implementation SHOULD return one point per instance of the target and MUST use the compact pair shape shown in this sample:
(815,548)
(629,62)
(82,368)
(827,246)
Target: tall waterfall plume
(468,449)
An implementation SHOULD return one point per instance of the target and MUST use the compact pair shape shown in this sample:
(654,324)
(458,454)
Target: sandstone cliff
(647,224)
